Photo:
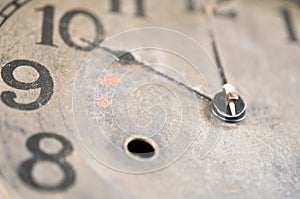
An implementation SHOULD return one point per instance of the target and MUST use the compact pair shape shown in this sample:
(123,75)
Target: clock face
(115,99)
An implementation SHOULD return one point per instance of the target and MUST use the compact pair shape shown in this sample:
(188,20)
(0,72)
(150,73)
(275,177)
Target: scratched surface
(258,158)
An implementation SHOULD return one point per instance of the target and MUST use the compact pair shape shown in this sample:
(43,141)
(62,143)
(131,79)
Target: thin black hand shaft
(218,60)
(210,12)
(127,57)
(198,94)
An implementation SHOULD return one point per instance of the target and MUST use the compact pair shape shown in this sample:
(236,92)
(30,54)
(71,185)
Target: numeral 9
(44,82)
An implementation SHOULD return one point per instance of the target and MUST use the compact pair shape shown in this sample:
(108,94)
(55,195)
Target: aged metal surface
(258,158)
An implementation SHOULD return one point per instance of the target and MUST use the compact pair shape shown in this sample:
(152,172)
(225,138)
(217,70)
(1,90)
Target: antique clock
(149,99)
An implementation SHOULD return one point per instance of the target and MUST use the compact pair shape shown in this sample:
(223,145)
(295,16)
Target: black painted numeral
(115,5)
(140,8)
(65,34)
(44,83)
(190,5)
(48,24)
(26,168)
(288,20)
(140,11)
(47,29)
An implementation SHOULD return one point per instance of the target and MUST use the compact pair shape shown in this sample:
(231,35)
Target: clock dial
(147,92)
(91,96)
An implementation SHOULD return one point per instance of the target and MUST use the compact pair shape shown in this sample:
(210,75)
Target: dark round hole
(141,148)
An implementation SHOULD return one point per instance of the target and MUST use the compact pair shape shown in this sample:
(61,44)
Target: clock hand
(218,60)
(226,105)
(198,94)
(126,58)
(221,103)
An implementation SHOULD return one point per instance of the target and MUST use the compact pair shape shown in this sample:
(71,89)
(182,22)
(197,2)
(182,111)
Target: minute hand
(127,57)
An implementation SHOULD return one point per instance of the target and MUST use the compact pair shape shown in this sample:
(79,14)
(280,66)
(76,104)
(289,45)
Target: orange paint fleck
(128,68)
(104,100)
(109,79)
(116,65)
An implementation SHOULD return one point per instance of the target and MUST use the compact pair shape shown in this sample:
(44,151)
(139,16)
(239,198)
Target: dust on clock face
(43,44)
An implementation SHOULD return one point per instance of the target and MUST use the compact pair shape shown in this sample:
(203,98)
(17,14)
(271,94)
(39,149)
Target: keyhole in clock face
(140,147)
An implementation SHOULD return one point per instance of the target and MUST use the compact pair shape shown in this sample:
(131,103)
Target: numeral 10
(47,28)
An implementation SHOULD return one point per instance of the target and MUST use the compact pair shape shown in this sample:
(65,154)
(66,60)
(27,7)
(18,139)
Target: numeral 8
(25,169)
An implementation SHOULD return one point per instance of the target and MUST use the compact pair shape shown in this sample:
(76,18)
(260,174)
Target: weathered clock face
(78,122)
